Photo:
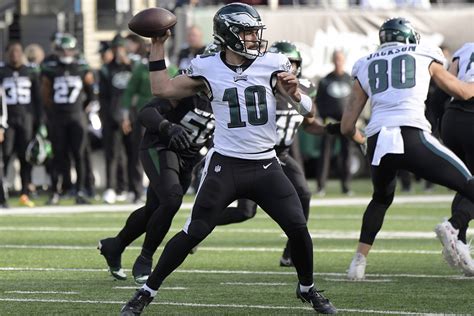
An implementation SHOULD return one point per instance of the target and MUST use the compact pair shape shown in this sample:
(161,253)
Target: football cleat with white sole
(137,303)
(142,269)
(448,237)
(465,260)
(357,268)
(110,249)
(314,297)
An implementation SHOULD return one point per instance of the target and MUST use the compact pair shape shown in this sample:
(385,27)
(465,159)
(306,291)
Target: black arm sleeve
(150,115)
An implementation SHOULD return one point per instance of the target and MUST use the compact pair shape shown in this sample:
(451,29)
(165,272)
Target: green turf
(403,282)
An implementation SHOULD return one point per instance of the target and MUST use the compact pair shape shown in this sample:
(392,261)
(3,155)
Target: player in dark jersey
(67,87)
(3,127)
(22,96)
(175,133)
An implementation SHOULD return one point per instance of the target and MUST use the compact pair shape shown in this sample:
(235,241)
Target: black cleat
(317,300)
(112,252)
(142,269)
(137,303)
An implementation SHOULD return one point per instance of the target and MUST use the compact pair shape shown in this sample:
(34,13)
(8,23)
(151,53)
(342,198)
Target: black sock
(176,250)
(302,254)
(134,227)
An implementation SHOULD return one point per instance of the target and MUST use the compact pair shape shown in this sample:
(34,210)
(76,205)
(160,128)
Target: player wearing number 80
(66,86)
(241,83)
(396,79)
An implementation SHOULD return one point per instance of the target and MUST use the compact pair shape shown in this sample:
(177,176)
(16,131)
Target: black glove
(333,128)
(178,136)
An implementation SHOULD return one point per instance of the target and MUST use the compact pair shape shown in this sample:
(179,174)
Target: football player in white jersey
(396,79)
(241,83)
(457,134)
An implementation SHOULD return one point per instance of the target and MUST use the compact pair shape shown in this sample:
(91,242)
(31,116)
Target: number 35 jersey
(67,82)
(243,103)
(396,78)
(21,86)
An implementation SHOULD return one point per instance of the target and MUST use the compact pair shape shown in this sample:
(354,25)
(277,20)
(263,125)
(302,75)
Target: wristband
(157,65)
(305,105)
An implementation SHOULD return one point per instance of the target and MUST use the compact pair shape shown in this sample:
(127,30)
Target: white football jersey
(243,103)
(466,62)
(396,78)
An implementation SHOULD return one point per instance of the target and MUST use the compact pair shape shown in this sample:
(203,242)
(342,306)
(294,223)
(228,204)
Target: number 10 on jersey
(255,103)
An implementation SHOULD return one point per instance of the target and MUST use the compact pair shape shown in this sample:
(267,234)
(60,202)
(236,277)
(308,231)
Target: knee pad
(199,229)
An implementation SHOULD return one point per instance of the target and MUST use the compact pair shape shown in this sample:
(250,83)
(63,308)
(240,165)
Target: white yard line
(245,272)
(42,292)
(253,283)
(161,288)
(244,306)
(363,281)
(232,249)
(319,234)
(75,209)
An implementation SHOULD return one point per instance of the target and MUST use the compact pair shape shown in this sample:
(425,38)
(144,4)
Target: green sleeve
(133,87)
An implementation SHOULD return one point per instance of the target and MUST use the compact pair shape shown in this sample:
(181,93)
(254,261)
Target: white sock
(306,288)
(152,292)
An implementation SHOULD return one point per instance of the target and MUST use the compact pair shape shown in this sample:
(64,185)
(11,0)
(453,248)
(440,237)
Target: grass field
(49,265)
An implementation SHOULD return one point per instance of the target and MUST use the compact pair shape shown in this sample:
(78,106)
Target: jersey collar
(237,69)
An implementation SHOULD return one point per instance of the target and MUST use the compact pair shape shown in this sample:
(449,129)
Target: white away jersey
(243,103)
(466,62)
(396,78)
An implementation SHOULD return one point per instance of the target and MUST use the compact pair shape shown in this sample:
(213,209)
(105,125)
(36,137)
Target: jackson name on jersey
(396,78)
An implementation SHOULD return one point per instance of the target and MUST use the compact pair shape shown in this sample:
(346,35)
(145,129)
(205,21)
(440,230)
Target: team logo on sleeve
(190,70)
(286,66)
(239,75)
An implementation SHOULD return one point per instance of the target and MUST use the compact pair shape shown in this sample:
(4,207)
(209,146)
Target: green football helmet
(39,150)
(230,21)
(398,30)
(289,49)
(66,41)
(66,46)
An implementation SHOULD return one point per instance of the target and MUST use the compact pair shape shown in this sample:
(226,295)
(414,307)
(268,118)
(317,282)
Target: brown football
(152,22)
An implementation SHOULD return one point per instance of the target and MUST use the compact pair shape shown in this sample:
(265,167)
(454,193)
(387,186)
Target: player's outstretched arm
(161,84)
(450,84)
(352,112)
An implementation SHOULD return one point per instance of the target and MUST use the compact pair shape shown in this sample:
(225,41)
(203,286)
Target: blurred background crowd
(90,150)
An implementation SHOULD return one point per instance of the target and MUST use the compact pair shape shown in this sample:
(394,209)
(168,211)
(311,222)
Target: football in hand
(152,22)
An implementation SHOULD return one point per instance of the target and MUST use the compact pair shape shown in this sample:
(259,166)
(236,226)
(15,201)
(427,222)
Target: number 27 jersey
(243,103)
(396,78)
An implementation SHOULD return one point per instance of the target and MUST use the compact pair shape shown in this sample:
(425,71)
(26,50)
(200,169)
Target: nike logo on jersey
(266,166)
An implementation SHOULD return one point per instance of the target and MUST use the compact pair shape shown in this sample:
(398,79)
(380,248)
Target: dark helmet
(230,21)
(398,30)
(289,50)
(39,149)
(66,41)
(66,47)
